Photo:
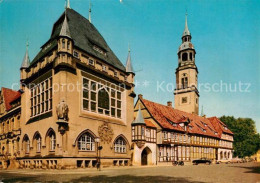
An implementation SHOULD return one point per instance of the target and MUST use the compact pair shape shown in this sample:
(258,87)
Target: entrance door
(144,157)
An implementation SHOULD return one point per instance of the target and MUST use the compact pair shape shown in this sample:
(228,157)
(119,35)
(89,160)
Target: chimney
(169,104)
(140,96)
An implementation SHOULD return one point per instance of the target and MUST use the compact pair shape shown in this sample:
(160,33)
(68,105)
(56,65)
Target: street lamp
(99,148)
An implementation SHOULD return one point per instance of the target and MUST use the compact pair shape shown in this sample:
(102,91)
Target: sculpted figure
(62,110)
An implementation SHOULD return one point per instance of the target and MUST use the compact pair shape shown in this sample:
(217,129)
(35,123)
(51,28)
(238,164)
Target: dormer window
(100,50)
(76,54)
(91,62)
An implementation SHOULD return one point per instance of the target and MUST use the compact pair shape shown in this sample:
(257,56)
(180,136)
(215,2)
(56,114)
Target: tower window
(190,56)
(76,54)
(184,57)
(184,82)
(63,43)
(184,100)
(68,45)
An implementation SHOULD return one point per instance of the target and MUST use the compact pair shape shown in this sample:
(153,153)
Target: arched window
(63,43)
(184,57)
(52,141)
(120,145)
(103,101)
(190,56)
(38,142)
(26,144)
(86,142)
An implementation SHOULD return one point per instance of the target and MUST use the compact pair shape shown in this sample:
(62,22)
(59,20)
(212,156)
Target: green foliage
(246,138)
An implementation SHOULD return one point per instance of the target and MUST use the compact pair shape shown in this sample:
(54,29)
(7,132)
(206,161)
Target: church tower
(186,92)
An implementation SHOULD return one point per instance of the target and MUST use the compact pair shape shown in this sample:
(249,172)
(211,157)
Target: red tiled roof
(9,96)
(149,123)
(167,116)
(219,125)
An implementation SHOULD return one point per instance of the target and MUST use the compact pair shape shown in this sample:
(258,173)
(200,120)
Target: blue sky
(225,35)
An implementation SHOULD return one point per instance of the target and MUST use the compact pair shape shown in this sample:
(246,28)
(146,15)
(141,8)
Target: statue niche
(62,111)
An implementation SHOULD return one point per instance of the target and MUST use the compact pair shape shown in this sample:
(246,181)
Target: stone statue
(62,110)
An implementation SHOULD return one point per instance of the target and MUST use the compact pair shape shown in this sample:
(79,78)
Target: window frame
(120,146)
(115,98)
(89,140)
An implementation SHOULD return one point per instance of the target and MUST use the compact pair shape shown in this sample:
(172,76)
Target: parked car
(201,160)
(236,160)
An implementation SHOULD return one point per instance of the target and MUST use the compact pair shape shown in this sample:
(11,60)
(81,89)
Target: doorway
(146,156)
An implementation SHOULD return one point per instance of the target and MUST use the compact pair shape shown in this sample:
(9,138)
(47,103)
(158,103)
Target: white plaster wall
(224,150)
(137,152)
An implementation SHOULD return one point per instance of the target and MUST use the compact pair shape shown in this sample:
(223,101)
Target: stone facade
(77,101)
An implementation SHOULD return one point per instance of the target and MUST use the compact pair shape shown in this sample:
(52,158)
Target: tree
(246,138)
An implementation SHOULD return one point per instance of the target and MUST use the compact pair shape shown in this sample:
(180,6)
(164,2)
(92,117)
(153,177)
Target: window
(104,68)
(91,62)
(26,144)
(120,145)
(142,132)
(191,56)
(184,100)
(68,45)
(184,82)
(63,43)
(148,134)
(52,141)
(76,54)
(86,142)
(101,99)
(38,144)
(41,98)
(184,57)
(115,74)
(165,135)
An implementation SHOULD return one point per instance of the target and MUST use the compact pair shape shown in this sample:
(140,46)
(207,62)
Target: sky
(226,36)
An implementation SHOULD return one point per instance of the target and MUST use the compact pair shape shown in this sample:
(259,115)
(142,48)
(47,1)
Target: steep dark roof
(84,35)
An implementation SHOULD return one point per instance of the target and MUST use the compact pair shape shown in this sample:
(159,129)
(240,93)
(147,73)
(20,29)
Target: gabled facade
(178,136)
(10,129)
(77,96)
(226,139)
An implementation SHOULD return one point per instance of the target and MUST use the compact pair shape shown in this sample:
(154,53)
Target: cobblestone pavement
(223,173)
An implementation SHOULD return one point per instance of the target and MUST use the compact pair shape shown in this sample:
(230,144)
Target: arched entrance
(146,156)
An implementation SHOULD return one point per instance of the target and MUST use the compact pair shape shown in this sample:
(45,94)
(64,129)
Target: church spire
(186,31)
(65,27)
(89,11)
(26,59)
(129,67)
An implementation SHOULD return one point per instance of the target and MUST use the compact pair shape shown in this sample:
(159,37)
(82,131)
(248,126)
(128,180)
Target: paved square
(244,172)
